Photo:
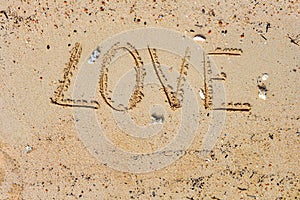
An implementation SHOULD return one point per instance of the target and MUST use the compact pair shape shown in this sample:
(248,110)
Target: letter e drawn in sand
(207,93)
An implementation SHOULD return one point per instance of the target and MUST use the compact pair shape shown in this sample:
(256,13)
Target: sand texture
(213,110)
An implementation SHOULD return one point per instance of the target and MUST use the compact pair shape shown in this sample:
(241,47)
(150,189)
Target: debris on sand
(262,94)
(202,95)
(199,37)
(157,119)
(265,76)
(262,89)
(94,56)
(28,149)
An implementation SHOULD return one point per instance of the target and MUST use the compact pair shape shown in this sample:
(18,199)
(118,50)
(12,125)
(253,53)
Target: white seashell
(265,76)
(94,56)
(28,149)
(262,95)
(157,119)
(202,95)
(199,38)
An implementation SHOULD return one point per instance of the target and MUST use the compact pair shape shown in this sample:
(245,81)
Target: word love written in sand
(173,97)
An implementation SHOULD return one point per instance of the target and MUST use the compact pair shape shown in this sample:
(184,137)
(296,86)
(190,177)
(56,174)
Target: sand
(52,151)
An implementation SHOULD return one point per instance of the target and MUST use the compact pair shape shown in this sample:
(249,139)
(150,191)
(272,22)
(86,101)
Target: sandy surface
(42,155)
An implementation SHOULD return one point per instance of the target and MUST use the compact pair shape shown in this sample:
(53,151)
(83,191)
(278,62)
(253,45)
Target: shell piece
(28,149)
(94,56)
(262,89)
(157,119)
(262,94)
(199,37)
(265,76)
(202,95)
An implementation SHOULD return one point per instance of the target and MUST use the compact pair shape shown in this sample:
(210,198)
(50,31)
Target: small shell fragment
(28,149)
(199,37)
(265,76)
(202,95)
(157,119)
(262,94)
(94,56)
(262,89)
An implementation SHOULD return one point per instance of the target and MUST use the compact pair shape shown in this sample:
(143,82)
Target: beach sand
(43,154)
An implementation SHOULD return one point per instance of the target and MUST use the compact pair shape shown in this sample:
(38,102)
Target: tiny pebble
(28,149)
(265,76)
(94,56)
(157,119)
(262,94)
(199,38)
(202,95)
